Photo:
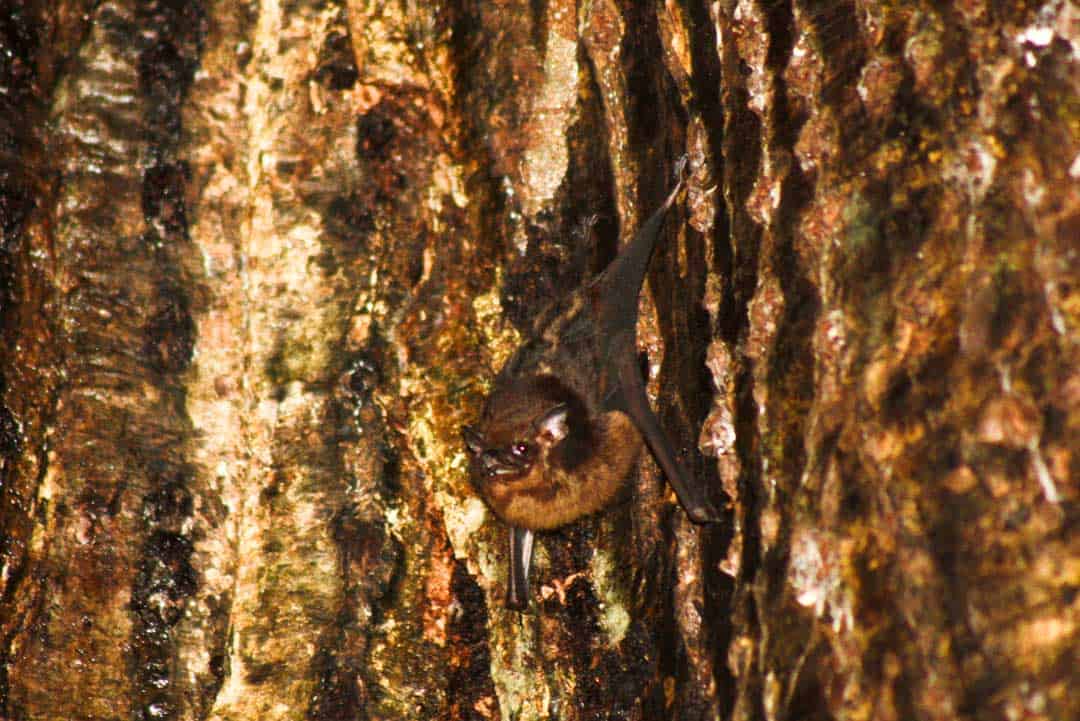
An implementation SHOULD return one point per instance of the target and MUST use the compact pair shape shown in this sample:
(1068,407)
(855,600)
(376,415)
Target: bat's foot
(680,168)
(702,512)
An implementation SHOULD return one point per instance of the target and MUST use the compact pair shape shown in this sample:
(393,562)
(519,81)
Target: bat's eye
(520,450)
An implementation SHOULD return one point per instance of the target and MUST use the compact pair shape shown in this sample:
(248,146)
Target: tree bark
(260,262)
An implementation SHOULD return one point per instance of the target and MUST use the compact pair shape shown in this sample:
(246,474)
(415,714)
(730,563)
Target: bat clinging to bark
(563,425)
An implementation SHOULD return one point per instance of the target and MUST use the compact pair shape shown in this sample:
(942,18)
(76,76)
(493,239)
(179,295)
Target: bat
(564,423)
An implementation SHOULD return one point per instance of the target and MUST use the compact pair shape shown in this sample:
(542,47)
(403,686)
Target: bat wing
(615,296)
(616,290)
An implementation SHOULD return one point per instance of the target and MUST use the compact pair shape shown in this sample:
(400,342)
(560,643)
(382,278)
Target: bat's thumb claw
(680,180)
(703,513)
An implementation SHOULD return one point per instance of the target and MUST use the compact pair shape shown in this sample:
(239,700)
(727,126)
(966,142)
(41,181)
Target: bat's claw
(680,168)
(703,513)
(680,180)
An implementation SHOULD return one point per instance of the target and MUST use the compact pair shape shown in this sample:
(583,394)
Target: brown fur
(549,496)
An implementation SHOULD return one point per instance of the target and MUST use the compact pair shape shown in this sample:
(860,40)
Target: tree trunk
(260,262)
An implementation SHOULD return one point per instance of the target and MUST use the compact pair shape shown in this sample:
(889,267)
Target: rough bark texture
(259,262)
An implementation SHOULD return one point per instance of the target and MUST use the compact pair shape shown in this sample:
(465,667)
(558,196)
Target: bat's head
(524,423)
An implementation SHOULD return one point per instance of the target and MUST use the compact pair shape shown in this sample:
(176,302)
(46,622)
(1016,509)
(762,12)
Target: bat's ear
(472,439)
(552,426)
